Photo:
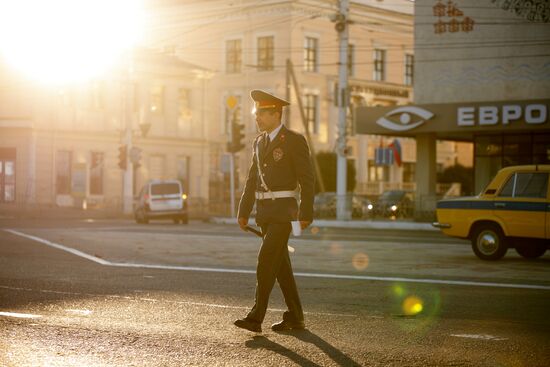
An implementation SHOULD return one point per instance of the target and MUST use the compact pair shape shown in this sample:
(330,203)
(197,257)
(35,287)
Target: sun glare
(61,41)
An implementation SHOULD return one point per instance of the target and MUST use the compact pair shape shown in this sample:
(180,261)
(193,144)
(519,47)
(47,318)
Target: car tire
(184,220)
(141,218)
(489,242)
(531,251)
(176,220)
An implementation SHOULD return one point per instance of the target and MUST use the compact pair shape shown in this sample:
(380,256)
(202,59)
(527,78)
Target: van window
(165,189)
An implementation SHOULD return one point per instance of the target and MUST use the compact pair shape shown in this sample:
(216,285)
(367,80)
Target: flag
(383,156)
(396,149)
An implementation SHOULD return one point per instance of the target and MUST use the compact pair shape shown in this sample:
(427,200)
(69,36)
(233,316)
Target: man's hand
(304,224)
(243,222)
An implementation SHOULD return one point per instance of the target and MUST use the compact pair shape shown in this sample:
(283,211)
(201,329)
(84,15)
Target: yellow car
(512,211)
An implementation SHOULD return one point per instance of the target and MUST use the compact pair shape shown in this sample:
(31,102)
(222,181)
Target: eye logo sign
(405,118)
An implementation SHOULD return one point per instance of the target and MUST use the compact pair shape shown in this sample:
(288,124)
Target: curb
(356,224)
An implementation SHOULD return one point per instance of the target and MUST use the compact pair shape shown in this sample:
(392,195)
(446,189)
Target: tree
(328,167)
(458,173)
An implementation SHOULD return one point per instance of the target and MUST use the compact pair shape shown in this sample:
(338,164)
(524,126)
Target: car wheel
(141,217)
(175,220)
(531,251)
(488,242)
(184,220)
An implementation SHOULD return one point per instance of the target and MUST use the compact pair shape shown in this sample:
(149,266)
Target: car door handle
(500,205)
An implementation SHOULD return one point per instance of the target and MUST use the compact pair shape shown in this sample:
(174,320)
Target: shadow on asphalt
(306,336)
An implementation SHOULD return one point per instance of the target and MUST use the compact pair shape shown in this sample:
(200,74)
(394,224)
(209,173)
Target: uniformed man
(281,171)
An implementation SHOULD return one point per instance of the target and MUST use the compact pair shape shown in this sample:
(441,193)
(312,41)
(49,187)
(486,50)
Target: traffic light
(237,135)
(135,157)
(122,156)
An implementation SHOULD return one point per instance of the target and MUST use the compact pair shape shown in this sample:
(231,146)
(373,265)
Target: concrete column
(362,159)
(426,159)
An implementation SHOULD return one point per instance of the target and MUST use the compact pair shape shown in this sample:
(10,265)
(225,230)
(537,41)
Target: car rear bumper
(166,213)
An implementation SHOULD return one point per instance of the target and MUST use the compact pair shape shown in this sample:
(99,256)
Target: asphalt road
(112,293)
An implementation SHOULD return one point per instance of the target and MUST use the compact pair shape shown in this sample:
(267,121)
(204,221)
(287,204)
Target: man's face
(267,120)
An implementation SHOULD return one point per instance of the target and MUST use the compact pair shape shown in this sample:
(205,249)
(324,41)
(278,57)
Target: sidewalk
(53,212)
(406,225)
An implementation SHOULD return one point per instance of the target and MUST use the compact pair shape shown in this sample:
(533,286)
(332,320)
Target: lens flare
(412,305)
(64,41)
(398,290)
(360,261)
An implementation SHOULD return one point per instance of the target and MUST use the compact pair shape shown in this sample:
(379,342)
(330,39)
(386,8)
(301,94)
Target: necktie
(267,141)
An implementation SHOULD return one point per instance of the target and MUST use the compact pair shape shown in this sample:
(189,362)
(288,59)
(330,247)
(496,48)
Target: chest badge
(278,154)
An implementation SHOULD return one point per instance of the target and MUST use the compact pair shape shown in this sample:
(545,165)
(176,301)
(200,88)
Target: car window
(165,189)
(526,185)
(531,185)
(392,195)
(508,189)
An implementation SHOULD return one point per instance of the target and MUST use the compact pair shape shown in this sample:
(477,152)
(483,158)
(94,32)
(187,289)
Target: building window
(409,172)
(233,56)
(379,65)
(409,69)
(184,103)
(96,173)
(7,175)
(311,110)
(63,172)
(265,53)
(378,173)
(231,115)
(310,54)
(157,100)
(351,60)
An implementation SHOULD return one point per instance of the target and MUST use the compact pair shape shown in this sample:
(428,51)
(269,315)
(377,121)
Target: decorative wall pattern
(532,10)
(482,75)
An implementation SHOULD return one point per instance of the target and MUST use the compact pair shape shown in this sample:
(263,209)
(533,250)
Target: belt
(261,195)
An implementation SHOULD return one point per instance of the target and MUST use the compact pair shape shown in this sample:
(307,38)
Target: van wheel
(531,251)
(141,218)
(488,242)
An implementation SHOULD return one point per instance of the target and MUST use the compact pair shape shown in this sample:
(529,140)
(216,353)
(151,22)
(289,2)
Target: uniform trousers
(274,264)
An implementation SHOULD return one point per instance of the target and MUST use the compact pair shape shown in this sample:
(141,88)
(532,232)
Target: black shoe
(249,325)
(286,325)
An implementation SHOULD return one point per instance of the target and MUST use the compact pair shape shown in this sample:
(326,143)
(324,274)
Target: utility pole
(292,76)
(341,25)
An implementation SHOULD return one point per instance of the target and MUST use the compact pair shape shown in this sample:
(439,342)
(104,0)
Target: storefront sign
(461,118)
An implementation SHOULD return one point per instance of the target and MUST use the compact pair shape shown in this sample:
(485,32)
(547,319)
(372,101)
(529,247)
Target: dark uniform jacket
(285,164)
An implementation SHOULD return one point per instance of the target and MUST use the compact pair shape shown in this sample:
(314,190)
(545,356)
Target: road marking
(480,336)
(59,247)
(20,315)
(298,274)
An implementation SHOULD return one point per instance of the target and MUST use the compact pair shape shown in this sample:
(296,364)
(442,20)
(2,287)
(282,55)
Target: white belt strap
(264,185)
(275,195)
(268,194)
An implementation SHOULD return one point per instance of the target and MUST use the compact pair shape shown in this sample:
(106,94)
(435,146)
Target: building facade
(482,76)
(253,45)
(60,145)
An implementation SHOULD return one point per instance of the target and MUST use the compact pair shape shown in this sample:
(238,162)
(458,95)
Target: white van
(161,199)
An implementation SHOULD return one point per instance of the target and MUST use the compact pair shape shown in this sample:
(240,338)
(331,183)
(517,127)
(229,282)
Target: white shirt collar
(273,134)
